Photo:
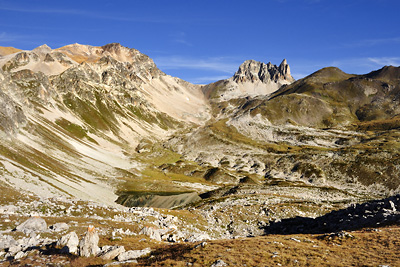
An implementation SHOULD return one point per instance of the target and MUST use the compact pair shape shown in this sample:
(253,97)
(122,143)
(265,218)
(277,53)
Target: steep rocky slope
(71,126)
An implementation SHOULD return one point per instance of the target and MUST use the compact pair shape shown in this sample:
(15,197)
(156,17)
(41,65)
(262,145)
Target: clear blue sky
(206,40)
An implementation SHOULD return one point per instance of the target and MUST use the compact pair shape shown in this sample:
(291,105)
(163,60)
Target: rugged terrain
(85,129)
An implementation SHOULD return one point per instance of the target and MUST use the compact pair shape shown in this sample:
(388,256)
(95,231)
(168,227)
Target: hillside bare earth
(100,134)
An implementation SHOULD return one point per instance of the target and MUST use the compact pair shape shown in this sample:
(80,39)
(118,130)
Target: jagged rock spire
(284,69)
(252,71)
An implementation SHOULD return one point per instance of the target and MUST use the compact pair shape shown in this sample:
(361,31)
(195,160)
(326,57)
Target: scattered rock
(198,237)
(392,206)
(69,243)
(133,254)
(111,252)
(14,249)
(59,227)
(338,235)
(172,238)
(30,241)
(33,224)
(151,232)
(121,262)
(218,263)
(88,246)
(7,241)
(8,209)
(202,244)
(20,255)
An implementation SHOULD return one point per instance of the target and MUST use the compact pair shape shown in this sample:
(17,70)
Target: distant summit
(43,49)
(253,78)
(387,74)
(254,71)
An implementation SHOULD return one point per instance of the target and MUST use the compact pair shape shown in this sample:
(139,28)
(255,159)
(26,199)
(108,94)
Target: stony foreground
(65,232)
(367,247)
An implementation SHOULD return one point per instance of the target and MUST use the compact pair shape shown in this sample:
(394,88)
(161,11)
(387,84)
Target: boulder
(8,209)
(33,224)
(59,227)
(202,244)
(198,237)
(218,263)
(69,243)
(151,232)
(20,255)
(14,249)
(28,242)
(172,238)
(110,253)
(7,241)
(133,254)
(88,246)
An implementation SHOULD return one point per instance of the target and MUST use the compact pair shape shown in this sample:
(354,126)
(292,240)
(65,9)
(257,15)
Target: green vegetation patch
(97,116)
(74,129)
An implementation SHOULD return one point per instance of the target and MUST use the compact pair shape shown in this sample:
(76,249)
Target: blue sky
(204,41)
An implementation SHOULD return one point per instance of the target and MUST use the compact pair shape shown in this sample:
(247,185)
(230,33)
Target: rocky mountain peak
(122,53)
(254,71)
(386,73)
(253,78)
(284,68)
(43,49)
(113,47)
(116,50)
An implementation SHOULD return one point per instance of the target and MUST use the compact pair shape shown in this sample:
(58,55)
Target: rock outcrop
(33,224)
(7,241)
(59,227)
(253,78)
(111,252)
(151,232)
(69,243)
(133,254)
(253,71)
(89,245)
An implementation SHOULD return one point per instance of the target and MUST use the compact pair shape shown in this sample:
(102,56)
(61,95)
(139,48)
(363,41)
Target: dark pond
(156,199)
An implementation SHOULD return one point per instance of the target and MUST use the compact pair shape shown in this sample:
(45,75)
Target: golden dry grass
(4,51)
(367,248)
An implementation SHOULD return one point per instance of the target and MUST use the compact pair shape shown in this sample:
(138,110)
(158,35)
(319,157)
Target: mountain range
(105,124)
